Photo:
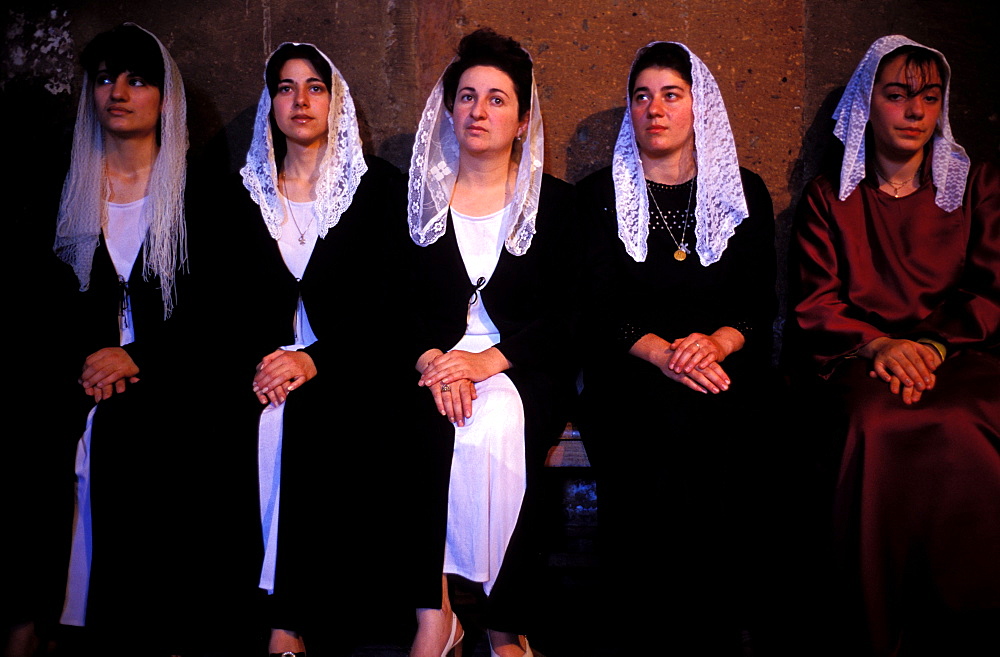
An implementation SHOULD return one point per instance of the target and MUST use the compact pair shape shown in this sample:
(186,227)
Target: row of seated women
(386,365)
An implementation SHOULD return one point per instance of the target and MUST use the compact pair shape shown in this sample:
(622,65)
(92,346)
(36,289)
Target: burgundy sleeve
(831,327)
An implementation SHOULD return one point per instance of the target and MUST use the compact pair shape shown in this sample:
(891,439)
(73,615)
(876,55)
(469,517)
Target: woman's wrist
(872,348)
(427,358)
(651,348)
(497,361)
(729,340)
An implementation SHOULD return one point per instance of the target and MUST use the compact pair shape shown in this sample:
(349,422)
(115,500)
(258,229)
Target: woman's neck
(484,184)
(672,169)
(300,171)
(899,176)
(129,164)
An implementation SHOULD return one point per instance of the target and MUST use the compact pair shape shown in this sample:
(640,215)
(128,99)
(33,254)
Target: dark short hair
(272,77)
(660,55)
(124,48)
(919,62)
(484,47)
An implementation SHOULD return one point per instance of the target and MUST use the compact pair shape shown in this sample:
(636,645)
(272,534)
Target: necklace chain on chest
(897,186)
(682,246)
(288,206)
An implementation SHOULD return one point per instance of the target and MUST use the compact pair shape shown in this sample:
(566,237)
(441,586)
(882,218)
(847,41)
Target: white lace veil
(341,168)
(949,163)
(83,205)
(434,169)
(721,206)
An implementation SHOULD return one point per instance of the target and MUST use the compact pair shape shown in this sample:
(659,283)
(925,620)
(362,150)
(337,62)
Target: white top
(480,242)
(124,234)
(296,256)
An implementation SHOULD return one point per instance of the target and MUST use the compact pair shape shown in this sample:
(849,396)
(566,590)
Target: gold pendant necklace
(682,248)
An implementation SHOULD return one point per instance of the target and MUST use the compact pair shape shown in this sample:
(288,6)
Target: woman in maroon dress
(899,310)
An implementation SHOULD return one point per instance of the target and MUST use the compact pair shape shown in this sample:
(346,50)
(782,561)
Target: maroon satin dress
(918,497)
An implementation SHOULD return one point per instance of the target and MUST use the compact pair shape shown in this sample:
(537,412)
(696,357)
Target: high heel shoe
(454,642)
(527,647)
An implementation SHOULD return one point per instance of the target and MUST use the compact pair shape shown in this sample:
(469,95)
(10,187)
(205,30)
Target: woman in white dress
(494,280)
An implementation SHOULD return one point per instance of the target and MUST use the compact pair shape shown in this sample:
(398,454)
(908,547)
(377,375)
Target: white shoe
(453,640)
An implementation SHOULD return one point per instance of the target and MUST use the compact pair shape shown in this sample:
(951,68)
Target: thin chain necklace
(288,206)
(682,248)
(896,186)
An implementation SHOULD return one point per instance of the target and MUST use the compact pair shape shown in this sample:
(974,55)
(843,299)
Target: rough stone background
(780,64)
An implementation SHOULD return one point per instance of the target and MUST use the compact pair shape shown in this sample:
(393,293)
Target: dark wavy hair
(660,55)
(272,77)
(484,47)
(124,48)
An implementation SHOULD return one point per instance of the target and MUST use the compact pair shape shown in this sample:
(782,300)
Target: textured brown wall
(777,63)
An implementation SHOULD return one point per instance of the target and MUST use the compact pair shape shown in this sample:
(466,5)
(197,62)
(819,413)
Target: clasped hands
(452,377)
(693,360)
(281,372)
(907,366)
(107,371)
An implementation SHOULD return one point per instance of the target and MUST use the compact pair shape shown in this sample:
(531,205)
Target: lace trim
(949,162)
(434,169)
(720,203)
(341,169)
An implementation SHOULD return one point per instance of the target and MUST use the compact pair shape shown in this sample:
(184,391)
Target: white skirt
(78,580)
(272,421)
(487,478)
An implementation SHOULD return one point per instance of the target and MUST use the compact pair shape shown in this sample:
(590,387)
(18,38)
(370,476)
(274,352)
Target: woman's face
(661,113)
(906,104)
(127,106)
(302,103)
(485,111)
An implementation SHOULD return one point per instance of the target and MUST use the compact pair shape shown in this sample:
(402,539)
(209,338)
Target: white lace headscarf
(721,205)
(341,168)
(434,170)
(949,163)
(85,193)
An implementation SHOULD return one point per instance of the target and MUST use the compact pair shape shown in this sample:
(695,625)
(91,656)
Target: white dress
(488,470)
(123,236)
(296,249)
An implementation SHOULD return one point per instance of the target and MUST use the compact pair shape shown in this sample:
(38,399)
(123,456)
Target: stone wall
(780,64)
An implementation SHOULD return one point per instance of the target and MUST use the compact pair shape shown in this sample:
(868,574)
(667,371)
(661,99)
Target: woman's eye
(466,98)
(284,90)
(317,89)
(137,82)
(497,100)
(103,79)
